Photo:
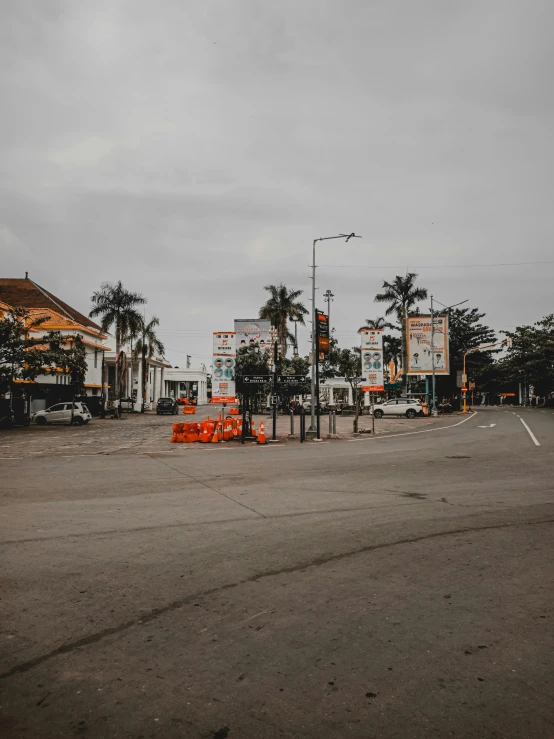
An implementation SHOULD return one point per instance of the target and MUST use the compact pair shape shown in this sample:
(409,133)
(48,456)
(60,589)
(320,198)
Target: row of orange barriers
(212,431)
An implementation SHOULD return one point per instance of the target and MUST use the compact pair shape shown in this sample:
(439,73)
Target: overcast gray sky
(193,149)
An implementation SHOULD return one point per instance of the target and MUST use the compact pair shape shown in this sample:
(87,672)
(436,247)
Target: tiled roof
(25,293)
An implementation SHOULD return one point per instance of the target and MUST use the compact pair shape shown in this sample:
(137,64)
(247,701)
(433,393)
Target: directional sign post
(256,379)
(291,379)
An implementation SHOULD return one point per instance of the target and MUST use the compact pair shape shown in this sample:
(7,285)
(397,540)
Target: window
(95,391)
(58,407)
(95,358)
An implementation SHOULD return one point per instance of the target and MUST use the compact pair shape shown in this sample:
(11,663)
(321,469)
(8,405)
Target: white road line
(424,431)
(531,434)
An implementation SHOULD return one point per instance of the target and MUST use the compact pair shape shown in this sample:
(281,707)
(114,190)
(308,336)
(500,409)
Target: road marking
(424,431)
(531,434)
(490,426)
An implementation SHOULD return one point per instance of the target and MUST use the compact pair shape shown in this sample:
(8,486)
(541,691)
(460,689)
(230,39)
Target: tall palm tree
(117,307)
(283,306)
(402,294)
(147,346)
(376,323)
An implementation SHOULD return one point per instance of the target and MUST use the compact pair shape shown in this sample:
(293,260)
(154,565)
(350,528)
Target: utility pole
(328,296)
(434,403)
(274,397)
(314,349)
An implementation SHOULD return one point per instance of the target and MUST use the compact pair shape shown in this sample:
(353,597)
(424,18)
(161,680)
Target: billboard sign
(322,334)
(224,361)
(418,333)
(372,360)
(255,331)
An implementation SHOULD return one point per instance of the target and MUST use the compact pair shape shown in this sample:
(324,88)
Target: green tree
(147,346)
(283,306)
(392,350)
(531,357)
(117,307)
(22,354)
(466,331)
(252,360)
(402,294)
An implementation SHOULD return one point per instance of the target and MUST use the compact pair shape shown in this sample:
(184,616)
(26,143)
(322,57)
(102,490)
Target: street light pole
(447,308)
(315,357)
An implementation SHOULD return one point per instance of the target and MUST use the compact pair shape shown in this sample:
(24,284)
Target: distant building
(161,379)
(39,302)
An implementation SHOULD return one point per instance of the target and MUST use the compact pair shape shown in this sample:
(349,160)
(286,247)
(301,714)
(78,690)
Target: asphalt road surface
(391,587)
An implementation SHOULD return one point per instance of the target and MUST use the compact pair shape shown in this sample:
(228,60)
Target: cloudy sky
(194,148)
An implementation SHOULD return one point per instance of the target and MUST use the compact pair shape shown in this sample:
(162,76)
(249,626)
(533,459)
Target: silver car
(408,407)
(61,413)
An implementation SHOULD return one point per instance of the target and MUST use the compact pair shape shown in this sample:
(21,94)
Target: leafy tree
(466,331)
(117,307)
(21,353)
(283,306)
(147,346)
(402,294)
(392,350)
(24,356)
(252,360)
(531,357)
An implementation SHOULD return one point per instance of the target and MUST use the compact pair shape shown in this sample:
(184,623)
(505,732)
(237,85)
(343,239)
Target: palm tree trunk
(404,355)
(143,373)
(117,391)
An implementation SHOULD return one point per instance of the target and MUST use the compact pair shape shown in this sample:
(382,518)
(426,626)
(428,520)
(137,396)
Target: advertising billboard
(223,373)
(372,360)
(322,334)
(418,333)
(255,331)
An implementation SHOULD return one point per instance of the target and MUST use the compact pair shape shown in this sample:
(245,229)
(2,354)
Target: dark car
(167,405)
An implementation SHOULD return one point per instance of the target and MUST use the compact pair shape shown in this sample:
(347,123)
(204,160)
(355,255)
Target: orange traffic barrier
(217,433)
(189,410)
(254,432)
(178,428)
(206,431)
(233,411)
(261,435)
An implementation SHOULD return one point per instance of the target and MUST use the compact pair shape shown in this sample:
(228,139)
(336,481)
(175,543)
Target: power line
(434,266)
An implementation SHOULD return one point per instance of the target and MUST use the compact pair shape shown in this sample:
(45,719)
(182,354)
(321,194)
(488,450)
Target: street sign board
(421,337)
(256,379)
(464,390)
(372,360)
(291,379)
(322,335)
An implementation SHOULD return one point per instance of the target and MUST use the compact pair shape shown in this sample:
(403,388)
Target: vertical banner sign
(372,361)
(255,331)
(322,335)
(224,359)
(418,333)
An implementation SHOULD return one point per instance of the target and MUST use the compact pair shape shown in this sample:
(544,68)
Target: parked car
(167,405)
(61,413)
(408,407)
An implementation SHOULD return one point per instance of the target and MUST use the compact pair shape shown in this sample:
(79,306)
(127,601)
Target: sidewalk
(345,426)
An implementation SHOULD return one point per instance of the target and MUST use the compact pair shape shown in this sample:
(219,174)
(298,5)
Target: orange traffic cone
(217,434)
(254,432)
(261,435)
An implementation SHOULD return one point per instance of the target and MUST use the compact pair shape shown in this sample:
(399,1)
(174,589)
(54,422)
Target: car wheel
(410,413)
(378,413)
(78,421)
(41,421)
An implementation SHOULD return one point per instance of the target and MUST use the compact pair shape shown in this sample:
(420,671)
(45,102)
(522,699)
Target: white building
(24,293)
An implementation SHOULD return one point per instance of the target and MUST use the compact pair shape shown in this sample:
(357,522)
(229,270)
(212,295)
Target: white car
(61,413)
(408,407)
